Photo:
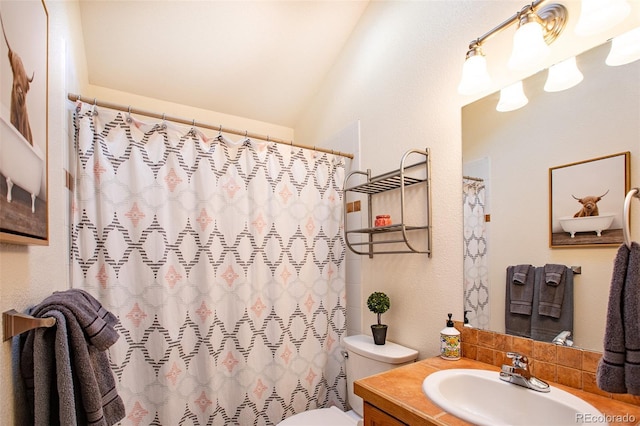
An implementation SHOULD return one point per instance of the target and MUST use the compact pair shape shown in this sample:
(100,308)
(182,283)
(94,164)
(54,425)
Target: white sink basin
(480,397)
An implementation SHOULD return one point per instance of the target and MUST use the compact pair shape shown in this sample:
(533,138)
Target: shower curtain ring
(129,119)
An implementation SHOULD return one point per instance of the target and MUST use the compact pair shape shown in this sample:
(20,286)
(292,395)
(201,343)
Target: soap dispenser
(450,341)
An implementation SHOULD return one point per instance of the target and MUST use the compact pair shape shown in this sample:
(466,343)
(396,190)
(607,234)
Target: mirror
(513,152)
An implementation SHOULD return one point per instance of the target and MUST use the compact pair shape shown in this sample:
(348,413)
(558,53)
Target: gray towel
(619,368)
(521,295)
(544,327)
(518,324)
(632,322)
(552,290)
(520,274)
(66,368)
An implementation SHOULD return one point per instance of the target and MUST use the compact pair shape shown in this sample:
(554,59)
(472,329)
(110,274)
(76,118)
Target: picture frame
(585,202)
(24,209)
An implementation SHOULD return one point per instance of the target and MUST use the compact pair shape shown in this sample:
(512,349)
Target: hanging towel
(632,322)
(552,290)
(519,324)
(66,368)
(619,368)
(520,274)
(521,284)
(610,371)
(543,327)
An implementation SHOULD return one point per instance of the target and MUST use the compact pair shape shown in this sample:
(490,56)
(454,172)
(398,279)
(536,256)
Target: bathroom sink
(480,397)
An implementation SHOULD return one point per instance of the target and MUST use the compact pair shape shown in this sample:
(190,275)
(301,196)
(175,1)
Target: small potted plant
(379,303)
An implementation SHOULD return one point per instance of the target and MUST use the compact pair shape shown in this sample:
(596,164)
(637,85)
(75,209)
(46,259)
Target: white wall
(395,76)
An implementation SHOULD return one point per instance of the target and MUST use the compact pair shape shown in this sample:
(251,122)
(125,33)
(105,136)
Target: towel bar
(634,192)
(16,323)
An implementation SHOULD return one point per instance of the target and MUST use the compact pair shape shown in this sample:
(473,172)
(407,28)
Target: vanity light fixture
(597,16)
(512,97)
(563,75)
(536,29)
(625,48)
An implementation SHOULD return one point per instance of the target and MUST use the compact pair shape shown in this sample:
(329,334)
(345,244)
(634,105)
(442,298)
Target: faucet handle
(519,360)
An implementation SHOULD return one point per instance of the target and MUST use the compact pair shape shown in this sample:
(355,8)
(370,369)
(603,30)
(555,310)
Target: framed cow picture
(586,201)
(24,212)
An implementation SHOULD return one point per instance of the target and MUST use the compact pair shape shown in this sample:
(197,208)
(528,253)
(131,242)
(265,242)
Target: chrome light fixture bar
(542,26)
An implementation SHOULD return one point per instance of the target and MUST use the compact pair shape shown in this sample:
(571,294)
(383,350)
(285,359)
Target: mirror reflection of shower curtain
(476,277)
(224,263)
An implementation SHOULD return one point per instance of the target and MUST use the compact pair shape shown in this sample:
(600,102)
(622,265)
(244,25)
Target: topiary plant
(378,303)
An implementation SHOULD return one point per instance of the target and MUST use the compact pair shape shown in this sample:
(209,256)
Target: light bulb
(563,76)
(511,98)
(597,16)
(475,77)
(529,48)
(625,48)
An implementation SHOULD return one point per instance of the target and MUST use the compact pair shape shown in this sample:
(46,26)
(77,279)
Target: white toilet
(363,358)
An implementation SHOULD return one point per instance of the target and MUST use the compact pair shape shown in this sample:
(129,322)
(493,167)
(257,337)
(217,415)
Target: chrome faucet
(563,338)
(518,374)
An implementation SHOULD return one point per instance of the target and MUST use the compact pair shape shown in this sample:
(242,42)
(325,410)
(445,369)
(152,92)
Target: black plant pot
(379,332)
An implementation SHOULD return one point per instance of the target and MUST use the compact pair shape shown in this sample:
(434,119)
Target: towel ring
(634,192)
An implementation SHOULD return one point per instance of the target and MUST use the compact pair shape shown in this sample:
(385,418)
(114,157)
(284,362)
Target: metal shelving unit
(399,179)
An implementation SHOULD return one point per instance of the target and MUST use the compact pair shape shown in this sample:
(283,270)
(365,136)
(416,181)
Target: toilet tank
(365,358)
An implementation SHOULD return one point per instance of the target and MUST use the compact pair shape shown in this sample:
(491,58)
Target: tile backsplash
(560,364)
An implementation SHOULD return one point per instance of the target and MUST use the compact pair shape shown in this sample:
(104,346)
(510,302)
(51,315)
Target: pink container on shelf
(382,220)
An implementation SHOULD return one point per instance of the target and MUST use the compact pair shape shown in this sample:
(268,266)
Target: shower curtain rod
(473,178)
(220,128)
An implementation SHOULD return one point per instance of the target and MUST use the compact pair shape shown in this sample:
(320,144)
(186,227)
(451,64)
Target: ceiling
(262,60)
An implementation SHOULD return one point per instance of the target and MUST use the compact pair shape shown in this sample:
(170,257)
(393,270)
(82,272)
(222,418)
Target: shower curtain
(224,263)
(476,277)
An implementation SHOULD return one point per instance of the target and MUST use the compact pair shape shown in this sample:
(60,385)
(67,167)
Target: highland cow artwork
(23,122)
(586,199)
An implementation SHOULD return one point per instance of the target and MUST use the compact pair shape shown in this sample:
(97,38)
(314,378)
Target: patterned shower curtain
(224,263)
(476,277)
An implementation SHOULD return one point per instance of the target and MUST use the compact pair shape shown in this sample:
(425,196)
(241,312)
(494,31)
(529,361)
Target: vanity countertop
(398,392)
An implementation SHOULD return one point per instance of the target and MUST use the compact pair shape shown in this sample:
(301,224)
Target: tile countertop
(399,393)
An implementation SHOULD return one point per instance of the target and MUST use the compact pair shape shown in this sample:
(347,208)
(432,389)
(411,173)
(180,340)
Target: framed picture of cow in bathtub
(586,199)
(24,211)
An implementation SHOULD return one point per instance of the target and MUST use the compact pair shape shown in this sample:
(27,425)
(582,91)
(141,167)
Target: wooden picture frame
(24,210)
(576,190)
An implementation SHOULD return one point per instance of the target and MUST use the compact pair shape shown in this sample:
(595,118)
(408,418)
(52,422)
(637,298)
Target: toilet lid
(320,417)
